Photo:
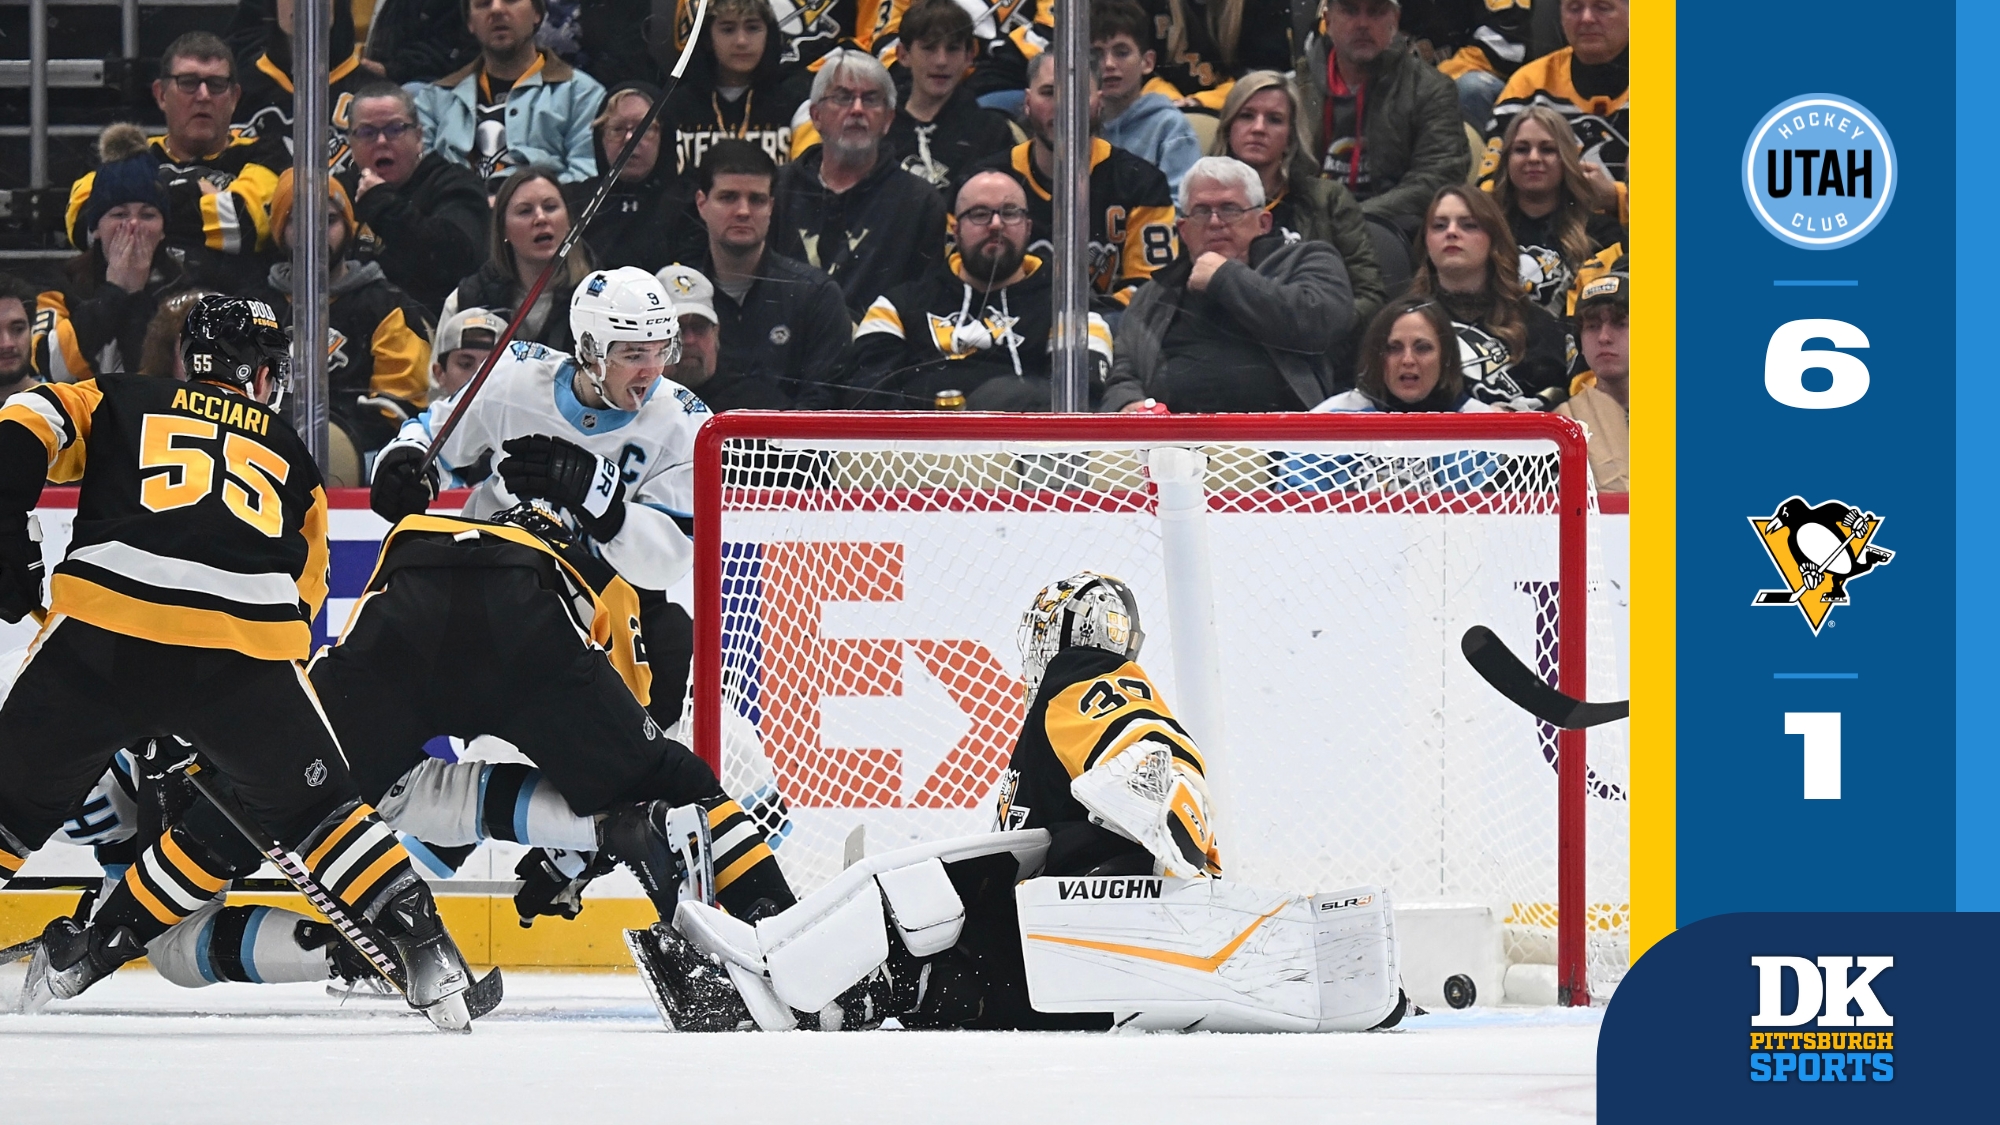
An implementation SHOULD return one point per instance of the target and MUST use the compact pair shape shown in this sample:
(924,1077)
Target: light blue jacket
(548,117)
(1155,131)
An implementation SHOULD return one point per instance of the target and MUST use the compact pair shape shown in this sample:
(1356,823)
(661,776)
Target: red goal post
(835,553)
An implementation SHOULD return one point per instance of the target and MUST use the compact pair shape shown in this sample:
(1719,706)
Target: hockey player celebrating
(184,604)
(1104,812)
(602,435)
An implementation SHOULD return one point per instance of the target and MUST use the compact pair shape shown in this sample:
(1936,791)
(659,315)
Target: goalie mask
(1085,610)
(229,340)
(622,304)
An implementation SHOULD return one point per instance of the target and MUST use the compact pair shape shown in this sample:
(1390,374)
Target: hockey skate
(692,992)
(68,958)
(667,848)
(435,977)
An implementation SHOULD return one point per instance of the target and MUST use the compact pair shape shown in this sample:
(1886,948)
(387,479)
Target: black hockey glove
(540,467)
(401,487)
(552,882)
(20,571)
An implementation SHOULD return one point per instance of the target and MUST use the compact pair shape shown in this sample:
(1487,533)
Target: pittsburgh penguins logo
(1818,551)
(1488,370)
(805,22)
(1008,816)
(961,337)
(1545,277)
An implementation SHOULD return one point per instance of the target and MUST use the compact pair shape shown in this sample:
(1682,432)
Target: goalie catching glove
(541,467)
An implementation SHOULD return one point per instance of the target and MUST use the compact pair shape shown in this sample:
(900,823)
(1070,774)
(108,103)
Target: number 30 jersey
(201,521)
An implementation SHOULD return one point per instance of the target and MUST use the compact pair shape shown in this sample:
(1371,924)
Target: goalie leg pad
(1208,953)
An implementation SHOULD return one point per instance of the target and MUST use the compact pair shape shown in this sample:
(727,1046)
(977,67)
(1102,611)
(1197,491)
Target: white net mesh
(870,592)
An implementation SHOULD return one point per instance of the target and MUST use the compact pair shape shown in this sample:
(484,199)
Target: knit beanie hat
(127,172)
(281,204)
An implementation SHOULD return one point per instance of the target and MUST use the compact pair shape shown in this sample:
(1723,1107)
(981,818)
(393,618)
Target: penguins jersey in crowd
(1092,707)
(697,116)
(603,606)
(266,105)
(1549,274)
(531,391)
(1493,374)
(1595,100)
(939,333)
(886,229)
(378,360)
(1497,42)
(233,218)
(811,28)
(201,520)
(1131,215)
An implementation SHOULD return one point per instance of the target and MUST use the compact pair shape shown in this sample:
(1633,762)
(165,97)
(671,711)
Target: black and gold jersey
(1595,100)
(201,520)
(602,605)
(221,203)
(1131,215)
(1092,706)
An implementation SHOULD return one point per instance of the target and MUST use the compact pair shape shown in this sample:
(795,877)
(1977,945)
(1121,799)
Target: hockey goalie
(1099,899)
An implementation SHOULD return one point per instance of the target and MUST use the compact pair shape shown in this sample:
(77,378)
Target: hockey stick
(576,229)
(481,996)
(1497,665)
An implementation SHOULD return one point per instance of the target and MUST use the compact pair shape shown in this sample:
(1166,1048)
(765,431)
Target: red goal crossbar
(1572,508)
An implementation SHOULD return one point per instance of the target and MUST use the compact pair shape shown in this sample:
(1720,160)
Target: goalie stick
(481,996)
(1497,665)
(569,241)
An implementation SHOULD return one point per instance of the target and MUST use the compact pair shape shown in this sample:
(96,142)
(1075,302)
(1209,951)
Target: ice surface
(589,1050)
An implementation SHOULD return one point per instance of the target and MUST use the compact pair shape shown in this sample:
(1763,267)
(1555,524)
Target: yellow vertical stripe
(312,577)
(1653,484)
(402,360)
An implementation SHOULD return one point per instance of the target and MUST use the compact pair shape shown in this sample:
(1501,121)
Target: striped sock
(745,869)
(172,879)
(358,858)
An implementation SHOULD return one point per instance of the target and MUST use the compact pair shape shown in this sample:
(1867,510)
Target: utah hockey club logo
(1819,172)
(1818,551)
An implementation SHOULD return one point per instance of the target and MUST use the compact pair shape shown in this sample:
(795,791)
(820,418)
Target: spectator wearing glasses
(647,217)
(1243,320)
(782,323)
(217,180)
(978,325)
(426,216)
(1131,211)
(844,206)
(266,106)
(516,105)
(1261,125)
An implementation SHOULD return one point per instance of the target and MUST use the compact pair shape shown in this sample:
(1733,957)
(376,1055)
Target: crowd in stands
(1341,205)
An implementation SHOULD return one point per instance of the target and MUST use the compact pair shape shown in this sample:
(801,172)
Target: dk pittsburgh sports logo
(1818,551)
(1823,995)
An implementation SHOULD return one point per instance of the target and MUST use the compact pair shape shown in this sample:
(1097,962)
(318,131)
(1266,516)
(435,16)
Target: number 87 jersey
(201,521)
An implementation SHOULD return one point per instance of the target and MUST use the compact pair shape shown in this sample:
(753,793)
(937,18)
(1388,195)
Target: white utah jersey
(532,391)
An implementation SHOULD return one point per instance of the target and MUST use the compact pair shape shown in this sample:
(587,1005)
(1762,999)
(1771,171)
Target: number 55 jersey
(201,521)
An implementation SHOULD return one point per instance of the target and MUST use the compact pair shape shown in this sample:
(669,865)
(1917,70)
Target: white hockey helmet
(1085,610)
(622,304)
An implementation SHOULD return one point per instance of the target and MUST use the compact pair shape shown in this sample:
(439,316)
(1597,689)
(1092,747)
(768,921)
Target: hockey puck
(1459,991)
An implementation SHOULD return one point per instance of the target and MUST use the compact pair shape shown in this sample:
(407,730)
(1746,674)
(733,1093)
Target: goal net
(1303,582)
